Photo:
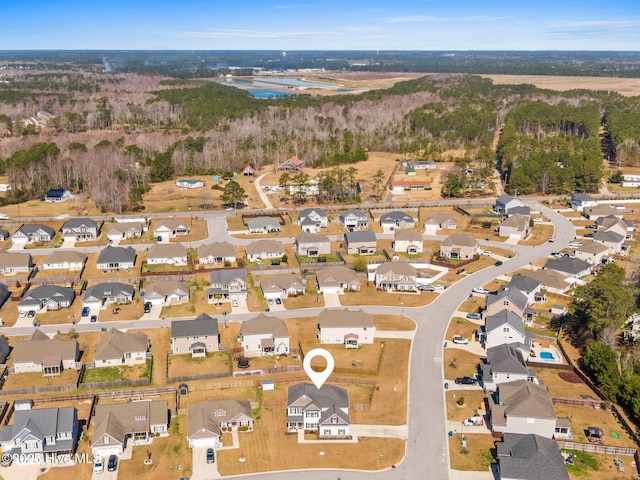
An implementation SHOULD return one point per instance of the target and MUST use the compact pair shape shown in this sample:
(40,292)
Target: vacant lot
(347,360)
(459,363)
(473,404)
(214,362)
(477,456)
(625,86)
(112,374)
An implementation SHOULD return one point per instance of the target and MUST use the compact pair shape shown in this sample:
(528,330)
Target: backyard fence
(219,385)
(593,448)
(32,390)
(202,376)
(583,402)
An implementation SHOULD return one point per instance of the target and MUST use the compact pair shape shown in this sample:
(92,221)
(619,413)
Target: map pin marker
(318,378)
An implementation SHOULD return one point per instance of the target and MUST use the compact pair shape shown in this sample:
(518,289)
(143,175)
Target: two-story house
(505,363)
(263,335)
(227,284)
(505,202)
(360,242)
(394,220)
(195,337)
(354,220)
(504,327)
(312,244)
(580,201)
(324,410)
(459,246)
(407,241)
(399,276)
(312,219)
(350,328)
(80,229)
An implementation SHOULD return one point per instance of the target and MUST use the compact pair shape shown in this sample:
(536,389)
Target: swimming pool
(547,356)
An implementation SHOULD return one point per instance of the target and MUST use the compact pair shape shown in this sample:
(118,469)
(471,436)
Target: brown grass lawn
(305,328)
(604,469)
(229,332)
(64,315)
(476,457)
(129,311)
(35,379)
(369,295)
(494,285)
(460,326)
(473,404)
(308,300)
(393,322)
(584,417)
(110,374)
(459,363)
(195,396)
(539,235)
(214,362)
(369,355)
(37,208)
(472,304)
(560,388)
(9,312)
(275,361)
(91,271)
(87,343)
(483,262)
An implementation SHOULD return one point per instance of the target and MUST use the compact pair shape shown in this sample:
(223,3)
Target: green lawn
(329,257)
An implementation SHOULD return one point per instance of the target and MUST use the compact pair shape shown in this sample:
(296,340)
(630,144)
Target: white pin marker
(318,378)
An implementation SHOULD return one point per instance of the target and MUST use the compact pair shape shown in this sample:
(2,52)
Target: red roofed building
(248,171)
(294,163)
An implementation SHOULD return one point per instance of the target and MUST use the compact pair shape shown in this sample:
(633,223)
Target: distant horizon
(330,25)
(346,50)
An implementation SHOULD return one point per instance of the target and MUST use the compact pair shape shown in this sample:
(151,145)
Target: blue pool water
(546,356)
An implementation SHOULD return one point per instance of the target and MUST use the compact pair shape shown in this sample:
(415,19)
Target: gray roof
(523,283)
(506,358)
(263,324)
(308,211)
(74,223)
(227,275)
(203,325)
(306,238)
(530,457)
(4,233)
(325,397)
(508,293)
(31,228)
(504,199)
(504,317)
(42,423)
(361,236)
(109,289)
(525,211)
(570,265)
(396,216)
(525,399)
(262,222)
(44,293)
(358,213)
(582,197)
(4,349)
(344,318)
(608,237)
(111,254)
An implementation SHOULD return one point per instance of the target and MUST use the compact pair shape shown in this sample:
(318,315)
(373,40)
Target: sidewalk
(404,334)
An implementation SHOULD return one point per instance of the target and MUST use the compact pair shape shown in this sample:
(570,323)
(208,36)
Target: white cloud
(432,19)
(596,24)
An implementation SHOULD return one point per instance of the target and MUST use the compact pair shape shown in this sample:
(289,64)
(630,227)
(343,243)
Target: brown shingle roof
(460,239)
(345,318)
(114,344)
(264,324)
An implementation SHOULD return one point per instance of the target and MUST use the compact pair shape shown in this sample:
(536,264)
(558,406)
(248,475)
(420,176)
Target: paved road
(427,454)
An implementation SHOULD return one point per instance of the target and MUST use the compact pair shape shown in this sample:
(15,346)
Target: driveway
(154,314)
(201,470)
(391,431)
(242,306)
(331,300)
(274,307)
(20,472)
(69,243)
(262,195)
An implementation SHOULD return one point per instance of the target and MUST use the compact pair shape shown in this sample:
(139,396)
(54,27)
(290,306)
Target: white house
(206,420)
(64,260)
(312,219)
(396,276)
(166,292)
(347,327)
(505,202)
(170,228)
(167,253)
(407,241)
(263,335)
(51,356)
(337,279)
(504,363)
(184,183)
(282,286)
(216,252)
(117,348)
(503,328)
(264,249)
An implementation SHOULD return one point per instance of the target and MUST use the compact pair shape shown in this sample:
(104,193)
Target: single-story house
(569,266)
(5,349)
(505,363)
(524,211)
(80,229)
(124,230)
(599,211)
(354,220)
(104,294)
(264,249)
(347,327)
(46,297)
(57,195)
(167,254)
(580,201)
(33,233)
(166,292)
(293,164)
(312,219)
(459,246)
(263,225)
(400,186)
(14,262)
(337,279)
(64,260)
(263,335)
(360,242)
(170,228)
(505,202)
(205,420)
(195,337)
(116,348)
(396,276)
(515,226)
(529,457)
(396,219)
(324,410)
(116,258)
(117,424)
(227,284)
(4,235)
(184,183)
(407,241)
(312,244)
(216,252)
(552,281)
(39,353)
(282,286)
(439,221)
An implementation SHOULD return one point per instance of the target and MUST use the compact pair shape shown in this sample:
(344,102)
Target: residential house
(505,363)
(227,284)
(312,244)
(166,292)
(117,424)
(354,220)
(580,201)
(64,260)
(396,276)
(107,293)
(39,353)
(264,249)
(46,297)
(616,224)
(529,457)
(324,410)
(124,230)
(393,220)
(39,435)
(522,407)
(116,258)
(529,287)
(515,226)
(505,298)
(282,286)
(337,279)
(248,171)
(5,349)
(398,186)
(612,240)
(33,233)
(4,235)
(294,164)
(5,294)
(12,263)
(524,211)
(57,195)
(312,219)
(360,242)
(263,225)
(80,229)
(630,180)
(407,241)
(167,254)
(569,266)
(504,327)
(350,328)
(459,246)
(591,252)
(263,335)
(205,420)
(185,183)
(439,221)
(423,164)
(116,348)
(196,337)
(216,252)
(505,202)
(552,281)
(170,228)
(601,211)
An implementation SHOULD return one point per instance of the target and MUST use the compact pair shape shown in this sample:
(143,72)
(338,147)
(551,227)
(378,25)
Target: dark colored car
(147,307)
(466,381)
(474,316)
(498,263)
(210,455)
(278,301)
(31,313)
(112,464)
(85,311)
(94,318)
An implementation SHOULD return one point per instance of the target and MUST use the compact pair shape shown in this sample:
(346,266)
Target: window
(334,419)
(505,329)
(140,418)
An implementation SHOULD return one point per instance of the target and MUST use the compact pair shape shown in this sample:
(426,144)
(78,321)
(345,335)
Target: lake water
(269,93)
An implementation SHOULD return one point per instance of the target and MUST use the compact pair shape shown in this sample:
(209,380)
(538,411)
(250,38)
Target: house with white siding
(12,263)
(167,254)
(166,292)
(64,260)
(216,252)
(263,335)
(208,420)
(39,353)
(407,241)
(117,348)
(337,279)
(324,410)
(347,327)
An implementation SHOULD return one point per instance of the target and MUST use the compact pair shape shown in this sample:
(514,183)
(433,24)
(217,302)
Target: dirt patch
(629,87)
(570,377)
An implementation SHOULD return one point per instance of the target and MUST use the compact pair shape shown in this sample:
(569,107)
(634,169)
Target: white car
(460,340)
(487,253)
(575,244)
(552,238)
(234,302)
(537,219)
(98,465)
(480,290)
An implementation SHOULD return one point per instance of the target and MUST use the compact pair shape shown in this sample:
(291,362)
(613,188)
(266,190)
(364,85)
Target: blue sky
(321,25)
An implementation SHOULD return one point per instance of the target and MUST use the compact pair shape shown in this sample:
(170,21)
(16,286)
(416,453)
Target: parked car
(94,318)
(234,303)
(112,464)
(426,288)
(31,314)
(474,316)
(461,340)
(498,263)
(270,301)
(98,465)
(471,421)
(437,286)
(211,458)
(575,244)
(466,381)
(552,238)
(147,307)
(23,314)
(85,311)
(537,219)
(480,290)
(278,301)
(487,253)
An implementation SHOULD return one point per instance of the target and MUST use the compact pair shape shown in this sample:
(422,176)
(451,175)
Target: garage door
(203,442)
(104,452)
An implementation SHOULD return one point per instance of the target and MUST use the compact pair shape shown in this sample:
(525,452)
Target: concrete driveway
(331,300)
(242,306)
(20,472)
(154,314)
(201,469)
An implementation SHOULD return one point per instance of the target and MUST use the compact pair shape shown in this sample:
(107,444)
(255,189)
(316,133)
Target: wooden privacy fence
(583,402)
(593,448)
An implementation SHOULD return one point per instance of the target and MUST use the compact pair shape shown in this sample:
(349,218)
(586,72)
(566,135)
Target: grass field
(111,374)
(459,363)
(214,362)
(370,295)
(477,456)
(473,404)
(625,86)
